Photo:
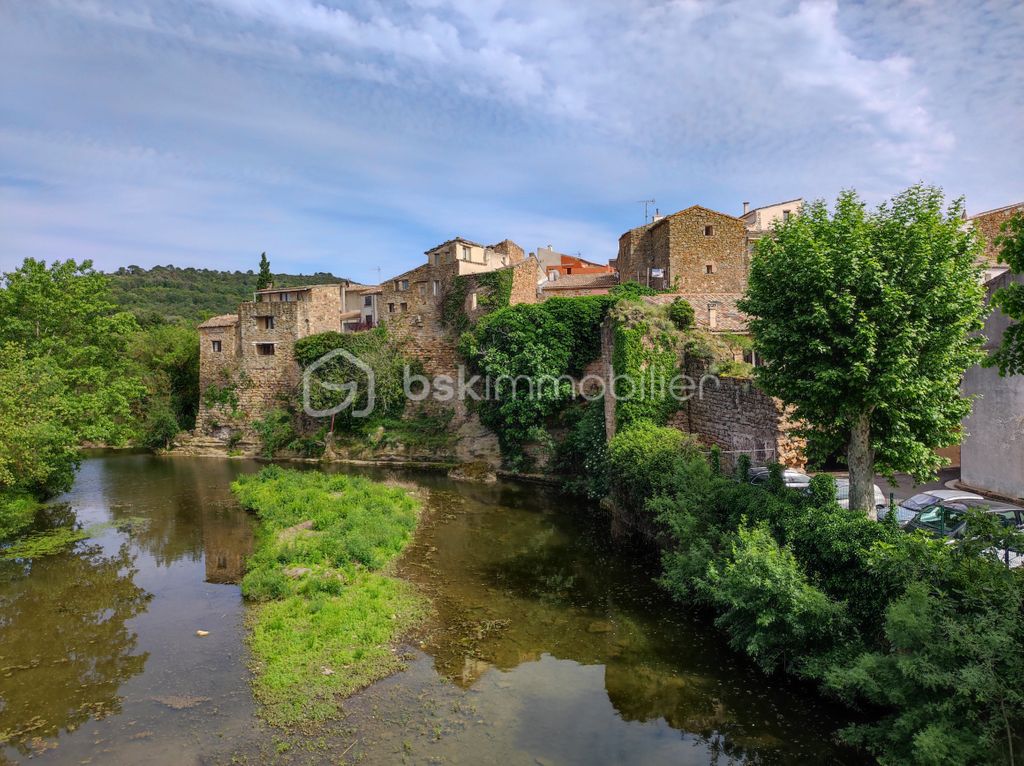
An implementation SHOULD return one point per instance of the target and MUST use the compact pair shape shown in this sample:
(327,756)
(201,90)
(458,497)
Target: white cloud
(202,129)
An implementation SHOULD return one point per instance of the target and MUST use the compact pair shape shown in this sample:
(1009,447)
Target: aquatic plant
(326,614)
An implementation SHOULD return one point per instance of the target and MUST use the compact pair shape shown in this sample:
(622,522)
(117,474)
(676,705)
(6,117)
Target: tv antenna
(378,275)
(646,203)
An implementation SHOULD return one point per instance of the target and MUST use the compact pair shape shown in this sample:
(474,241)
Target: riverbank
(327,612)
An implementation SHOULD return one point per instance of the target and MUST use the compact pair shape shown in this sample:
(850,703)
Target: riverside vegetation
(326,613)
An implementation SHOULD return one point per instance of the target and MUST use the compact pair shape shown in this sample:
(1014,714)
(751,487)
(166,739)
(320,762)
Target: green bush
(160,426)
(581,458)
(681,313)
(276,431)
(644,461)
(767,607)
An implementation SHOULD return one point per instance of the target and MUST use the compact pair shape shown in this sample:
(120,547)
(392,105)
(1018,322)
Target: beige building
(761,219)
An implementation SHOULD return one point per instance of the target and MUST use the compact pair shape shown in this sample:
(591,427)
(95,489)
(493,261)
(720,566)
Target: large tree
(1009,357)
(864,321)
(265,279)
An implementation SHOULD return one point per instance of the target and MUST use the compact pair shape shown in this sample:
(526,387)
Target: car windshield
(941,518)
(918,502)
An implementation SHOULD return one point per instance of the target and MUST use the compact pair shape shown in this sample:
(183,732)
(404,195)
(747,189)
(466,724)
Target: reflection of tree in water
(64,647)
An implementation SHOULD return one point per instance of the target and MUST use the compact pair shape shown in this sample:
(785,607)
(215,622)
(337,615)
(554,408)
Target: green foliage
(527,351)
(188,295)
(499,288)
(265,278)
(730,368)
(867,318)
(276,431)
(646,361)
(17,512)
(323,600)
(64,313)
(766,604)
(453,308)
(44,543)
(1009,357)
(631,291)
(224,394)
(643,461)
(581,458)
(681,313)
(928,635)
(166,357)
(160,426)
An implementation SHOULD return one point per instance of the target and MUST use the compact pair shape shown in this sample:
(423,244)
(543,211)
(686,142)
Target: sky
(351,137)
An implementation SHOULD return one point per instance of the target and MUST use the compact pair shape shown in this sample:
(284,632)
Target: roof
(996,210)
(728,319)
(454,239)
(604,281)
(295,288)
(223,320)
(364,288)
(694,207)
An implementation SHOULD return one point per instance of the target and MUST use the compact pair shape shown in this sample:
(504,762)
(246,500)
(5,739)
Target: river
(550,643)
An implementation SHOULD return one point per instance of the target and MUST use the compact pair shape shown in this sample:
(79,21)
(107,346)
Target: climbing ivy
(499,288)
(645,361)
(453,308)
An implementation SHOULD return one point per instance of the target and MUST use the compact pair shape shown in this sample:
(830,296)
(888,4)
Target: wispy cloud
(344,138)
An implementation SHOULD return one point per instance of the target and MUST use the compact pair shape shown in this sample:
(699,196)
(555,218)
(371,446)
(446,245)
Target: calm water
(550,644)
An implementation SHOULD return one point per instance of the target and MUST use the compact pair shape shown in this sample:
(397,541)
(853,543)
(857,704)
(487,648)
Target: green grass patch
(17,512)
(327,614)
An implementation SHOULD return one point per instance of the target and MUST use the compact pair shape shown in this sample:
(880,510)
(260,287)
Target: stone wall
(988,225)
(699,251)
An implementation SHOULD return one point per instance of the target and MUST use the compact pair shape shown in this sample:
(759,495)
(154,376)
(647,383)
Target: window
(437,287)
(472,302)
(421,288)
(552,275)
(404,307)
(391,308)
(568,271)
(709,231)
(216,345)
(268,323)
(465,253)
(368,300)
(404,285)
(709,268)
(265,349)
(285,297)
(785,215)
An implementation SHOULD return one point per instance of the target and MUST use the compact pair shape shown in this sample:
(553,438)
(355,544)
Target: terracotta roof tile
(223,320)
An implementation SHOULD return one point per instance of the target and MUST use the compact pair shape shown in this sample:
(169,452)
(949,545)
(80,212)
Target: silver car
(791,477)
(843,494)
(909,508)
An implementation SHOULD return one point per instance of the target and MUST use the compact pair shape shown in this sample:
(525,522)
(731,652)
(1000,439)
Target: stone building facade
(988,224)
(249,356)
(694,250)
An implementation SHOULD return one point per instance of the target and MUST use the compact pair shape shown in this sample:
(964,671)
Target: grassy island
(326,613)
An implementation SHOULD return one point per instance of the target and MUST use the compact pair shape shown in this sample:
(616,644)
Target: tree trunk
(860,457)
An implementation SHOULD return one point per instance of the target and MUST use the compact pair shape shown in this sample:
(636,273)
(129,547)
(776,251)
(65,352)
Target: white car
(791,477)
(843,494)
(909,508)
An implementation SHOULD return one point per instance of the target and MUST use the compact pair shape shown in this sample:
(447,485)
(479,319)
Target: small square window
(709,268)
(421,288)
(368,300)
(709,231)
(465,253)
(437,287)
(216,346)
(404,307)
(268,323)
(391,308)
(265,349)
(785,215)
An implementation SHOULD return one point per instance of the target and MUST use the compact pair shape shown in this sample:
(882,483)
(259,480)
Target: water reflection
(65,646)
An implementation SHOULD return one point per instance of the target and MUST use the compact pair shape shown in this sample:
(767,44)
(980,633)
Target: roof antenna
(646,203)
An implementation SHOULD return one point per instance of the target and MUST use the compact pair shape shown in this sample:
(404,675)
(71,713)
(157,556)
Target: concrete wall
(992,453)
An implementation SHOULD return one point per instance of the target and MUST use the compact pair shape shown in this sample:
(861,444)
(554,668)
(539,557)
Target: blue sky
(347,136)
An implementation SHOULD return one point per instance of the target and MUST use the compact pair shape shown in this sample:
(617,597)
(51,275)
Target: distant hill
(193,294)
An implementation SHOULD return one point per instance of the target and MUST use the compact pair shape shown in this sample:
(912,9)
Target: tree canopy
(1009,357)
(864,321)
(265,278)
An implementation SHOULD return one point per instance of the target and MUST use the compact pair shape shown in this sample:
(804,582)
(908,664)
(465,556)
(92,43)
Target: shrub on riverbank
(326,614)
(927,636)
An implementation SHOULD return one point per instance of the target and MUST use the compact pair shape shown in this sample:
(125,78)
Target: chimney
(712,315)
(746,208)
(657,215)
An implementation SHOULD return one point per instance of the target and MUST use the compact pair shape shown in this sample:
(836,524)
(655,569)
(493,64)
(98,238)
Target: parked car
(909,508)
(791,477)
(948,518)
(843,494)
